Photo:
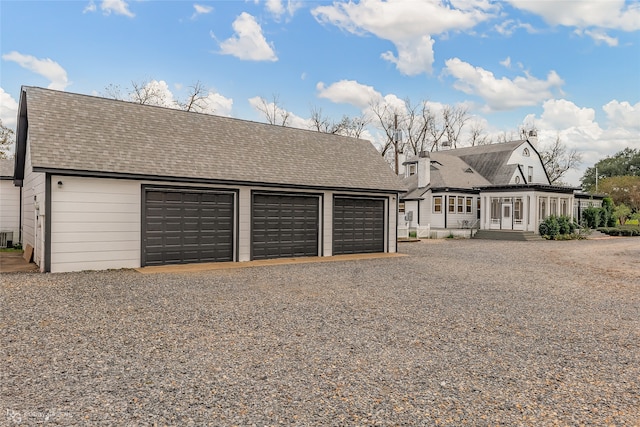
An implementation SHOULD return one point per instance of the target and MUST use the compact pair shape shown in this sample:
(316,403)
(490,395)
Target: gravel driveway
(459,332)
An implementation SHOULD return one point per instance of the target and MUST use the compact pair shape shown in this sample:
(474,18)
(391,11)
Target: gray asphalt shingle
(85,133)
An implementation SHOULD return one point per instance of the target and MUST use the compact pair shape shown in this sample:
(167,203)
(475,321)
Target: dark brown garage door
(284,226)
(185,226)
(358,225)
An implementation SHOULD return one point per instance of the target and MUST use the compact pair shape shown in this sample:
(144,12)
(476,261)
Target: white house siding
(244,227)
(10,209)
(517,157)
(33,195)
(527,213)
(327,224)
(458,219)
(95,223)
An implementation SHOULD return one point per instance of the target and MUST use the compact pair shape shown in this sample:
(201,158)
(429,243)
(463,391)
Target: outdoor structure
(9,205)
(488,187)
(112,184)
(584,201)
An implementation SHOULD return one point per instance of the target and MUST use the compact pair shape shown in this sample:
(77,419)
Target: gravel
(458,332)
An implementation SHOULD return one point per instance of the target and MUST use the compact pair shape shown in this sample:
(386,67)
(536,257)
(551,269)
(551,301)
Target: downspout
(47,223)
(446,209)
(20,219)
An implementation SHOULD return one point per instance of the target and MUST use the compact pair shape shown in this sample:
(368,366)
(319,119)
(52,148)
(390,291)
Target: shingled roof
(6,168)
(449,171)
(91,135)
(491,160)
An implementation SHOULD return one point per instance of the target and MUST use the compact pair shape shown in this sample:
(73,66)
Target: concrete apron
(208,266)
(13,262)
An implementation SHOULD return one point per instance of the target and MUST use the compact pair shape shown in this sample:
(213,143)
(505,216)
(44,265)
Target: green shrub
(591,217)
(559,228)
(608,219)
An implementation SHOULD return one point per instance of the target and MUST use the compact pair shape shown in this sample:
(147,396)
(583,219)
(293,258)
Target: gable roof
(491,160)
(452,172)
(82,134)
(6,168)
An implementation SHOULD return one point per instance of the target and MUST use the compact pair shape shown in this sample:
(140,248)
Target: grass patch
(10,249)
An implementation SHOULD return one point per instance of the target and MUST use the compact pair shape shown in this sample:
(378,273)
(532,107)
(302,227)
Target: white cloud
(45,67)
(502,93)
(349,92)
(624,115)
(8,109)
(611,14)
(409,25)
(577,129)
(414,56)
(217,104)
(509,26)
(248,43)
(202,9)
(119,7)
(561,114)
(600,36)
(91,7)
(277,7)
(162,95)
(506,63)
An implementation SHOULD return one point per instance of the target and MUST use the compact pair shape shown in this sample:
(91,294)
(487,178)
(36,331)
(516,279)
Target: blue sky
(571,68)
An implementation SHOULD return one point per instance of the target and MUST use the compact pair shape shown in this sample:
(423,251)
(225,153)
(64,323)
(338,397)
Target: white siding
(10,208)
(391,237)
(533,160)
(244,232)
(95,223)
(327,218)
(33,195)
(455,219)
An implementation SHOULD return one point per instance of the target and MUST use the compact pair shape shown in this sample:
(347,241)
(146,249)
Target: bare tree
(113,91)
(415,126)
(454,120)
(324,124)
(7,139)
(477,135)
(557,160)
(386,119)
(196,99)
(149,92)
(356,125)
(273,111)
(143,92)
(347,126)
(506,137)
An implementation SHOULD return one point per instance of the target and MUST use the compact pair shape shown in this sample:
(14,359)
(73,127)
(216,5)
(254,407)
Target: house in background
(489,187)
(112,184)
(9,205)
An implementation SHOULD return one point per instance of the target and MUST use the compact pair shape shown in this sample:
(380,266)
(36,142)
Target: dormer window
(412,169)
(525,152)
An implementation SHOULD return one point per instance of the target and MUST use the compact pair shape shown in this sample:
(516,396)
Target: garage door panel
(188,226)
(284,226)
(358,225)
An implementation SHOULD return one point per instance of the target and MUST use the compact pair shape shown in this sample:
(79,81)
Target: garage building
(113,184)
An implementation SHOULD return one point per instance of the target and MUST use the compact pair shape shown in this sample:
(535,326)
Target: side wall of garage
(95,223)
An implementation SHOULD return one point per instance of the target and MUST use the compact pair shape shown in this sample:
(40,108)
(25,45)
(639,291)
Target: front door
(506,223)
